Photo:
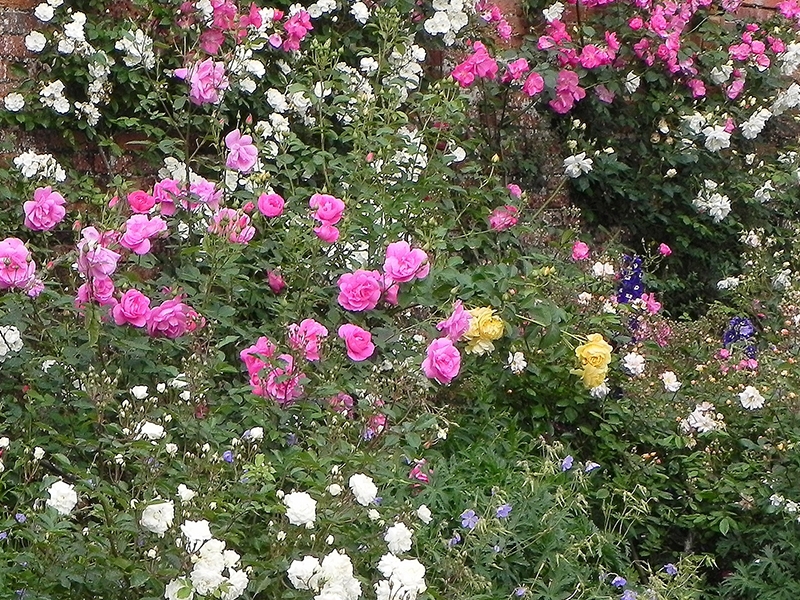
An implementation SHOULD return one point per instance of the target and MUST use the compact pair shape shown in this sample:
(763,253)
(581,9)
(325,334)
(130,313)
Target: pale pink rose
(138,231)
(133,308)
(329,208)
(45,211)
(275,281)
(360,291)
(514,190)
(232,225)
(375,426)
(271,205)
(255,356)
(327,233)
(442,362)
(403,264)
(141,202)
(457,323)
(664,250)
(342,403)
(580,251)
(17,270)
(534,84)
(202,192)
(95,259)
(172,319)
(651,304)
(282,384)
(307,337)
(166,192)
(357,341)
(100,290)
(207,80)
(242,154)
(503,217)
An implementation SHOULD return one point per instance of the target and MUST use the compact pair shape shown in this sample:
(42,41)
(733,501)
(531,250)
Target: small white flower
(171,449)
(14,102)
(398,538)
(424,514)
(38,453)
(363,488)
(716,138)
(4,442)
(157,518)
(63,497)
(139,392)
(575,166)
(670,381)
(553,12)
(186,494)
(751,398)
(516,363)
(632,82)
(360,12)
(633,363)
(150,431)
(599,392)
(334,489)
(301,509)
(44,12)
(373,515)
(304,574)
(368,65)
(35,41)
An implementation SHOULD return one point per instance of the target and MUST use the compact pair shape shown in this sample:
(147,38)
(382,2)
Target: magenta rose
(357,341)
(165,193)
(141,202)
(307,337)
(172,319)
(133,308)
(504,217)
(271,205)
(282,383)
(17,270)
(242,154)
(275,281)
(207,80)
(442,362)
(254,357)
(580,251)
(45,211)
(457,323)
(403,264)
(327,233)
(138,231)
(360,290)
(329,208)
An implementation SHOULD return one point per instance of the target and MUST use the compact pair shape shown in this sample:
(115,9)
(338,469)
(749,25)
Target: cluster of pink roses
(443,360)
(225,19)
(328,211)
(493,15)
(207,80)
(272,376)
(233,225)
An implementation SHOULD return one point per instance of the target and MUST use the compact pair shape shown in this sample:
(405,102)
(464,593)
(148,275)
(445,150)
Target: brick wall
(16,20)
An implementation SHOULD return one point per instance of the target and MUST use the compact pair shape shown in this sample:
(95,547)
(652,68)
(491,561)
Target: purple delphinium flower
(455,540)
(469,519)
(20,518)
(503,511)
(671,569)
(227,456)
(590,466)
(619,581)
(629,595)
(566,464)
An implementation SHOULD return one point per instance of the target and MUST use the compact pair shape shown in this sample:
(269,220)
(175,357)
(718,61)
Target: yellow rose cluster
(594,356)
(484,328)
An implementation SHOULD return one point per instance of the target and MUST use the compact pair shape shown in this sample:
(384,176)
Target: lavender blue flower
(469,519)
(503,511)
(671,569)
(619,581)
(566,464)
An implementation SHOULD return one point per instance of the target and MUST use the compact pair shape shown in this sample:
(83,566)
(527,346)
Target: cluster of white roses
(138,49)
(710,201)
(450,18)
(40,166)
(10,341)
(703,419)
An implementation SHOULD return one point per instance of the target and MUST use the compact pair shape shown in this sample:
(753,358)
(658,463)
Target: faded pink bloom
(534,84)
(418,473)
(172,319)
(138,231)
(271,205)
(141,202)
(207,79)
(329,208)
(243,154)
(375,426)
(133,308)
(99,289)
(514,190)
(342,403)
(580,251)
(503,217)
(651,304)
(95,259)
(17,269)
(282,384)
(275,281)
(232,225)
(307,337)
(357,341)
(664,250)
(255,357)
(403,264)
(45,211)
(457,323)
(165,193)
(390,290)
(360,290)
(443,361)
(206,192)
(327,233)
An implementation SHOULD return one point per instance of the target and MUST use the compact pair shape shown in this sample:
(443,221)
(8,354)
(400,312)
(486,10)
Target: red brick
(15,22)
(13,46)
(19,4)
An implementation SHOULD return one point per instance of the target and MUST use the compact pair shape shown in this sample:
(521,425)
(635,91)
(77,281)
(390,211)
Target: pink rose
(254,357)
(282,384)
(457,323)
(275,282)
(243,153)
(664,250)
(207,80)
(138,231)
(359,291)
(45,211)
(580,251)
(327,233)
(172,319)
(329,208)
(133,308)
(503,217)
(357,341)
(141,202)
(307,337)
(271,205)
(165,193)
(442,362)
(342,403)
(205,192)
(95,259)
(403,264)
(100,290)
(514,190)
(17,270)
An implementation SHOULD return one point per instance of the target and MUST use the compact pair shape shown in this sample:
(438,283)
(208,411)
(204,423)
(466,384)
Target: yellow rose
(592,376)
(485,324)
(479,346)
(596,352)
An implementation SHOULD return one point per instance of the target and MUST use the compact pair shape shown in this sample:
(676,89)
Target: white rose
(751,398)
(364,489)
(157,518)
(63,497)
(196,531)
(35,41)
(398,538)
(670,380)
(303,573)
(301,509)
(38,453)
(14,102)
(424,514)
(139,392)
(186,494)
(334,489)
(150,431)
(44,12)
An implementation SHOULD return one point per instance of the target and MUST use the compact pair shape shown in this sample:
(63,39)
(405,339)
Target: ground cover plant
(305,335)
